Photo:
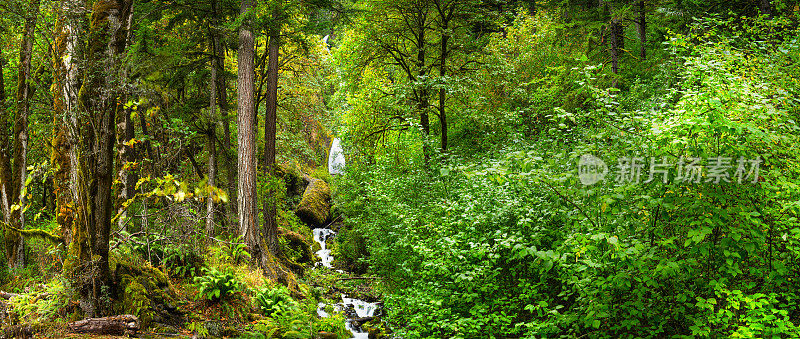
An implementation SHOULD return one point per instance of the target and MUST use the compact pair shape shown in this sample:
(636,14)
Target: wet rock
(315,205)
(375,328)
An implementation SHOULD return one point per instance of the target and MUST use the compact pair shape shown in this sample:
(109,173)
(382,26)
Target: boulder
(293,177)
(315,206)
(147,293)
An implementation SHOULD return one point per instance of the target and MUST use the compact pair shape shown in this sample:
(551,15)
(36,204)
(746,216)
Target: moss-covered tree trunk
(92,139)
(13,187)
(65,93)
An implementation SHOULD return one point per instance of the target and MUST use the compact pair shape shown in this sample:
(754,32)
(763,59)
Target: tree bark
(211,137)
(5,149)
(642,30)
(615,30)
(93,145)
(445,15)
(64,103)
(422,103)
(270,131)
(127,153)
(15,245)
(766,8)
(247,194)
(115,325)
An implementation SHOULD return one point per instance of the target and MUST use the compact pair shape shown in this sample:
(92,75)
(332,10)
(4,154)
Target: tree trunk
(211,137)
(226,145)
(64,102)
(127,152)
(15,245)
(766,8)
(247,194)
(642,30)
(422,103)
(93,139)
(442,91)
(5,164)
(270,222)
(615,30)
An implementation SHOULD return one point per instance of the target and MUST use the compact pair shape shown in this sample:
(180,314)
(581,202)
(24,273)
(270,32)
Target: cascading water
(362,308)
(321,235)
(336,157)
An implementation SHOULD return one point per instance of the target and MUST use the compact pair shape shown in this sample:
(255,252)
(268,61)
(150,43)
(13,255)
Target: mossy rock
(147,293)
(315,206)
(296,181)
(375,328)
(297,245)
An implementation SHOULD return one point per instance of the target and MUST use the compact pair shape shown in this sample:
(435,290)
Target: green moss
(375,328)
(136,302)
(315,205)
(294,179)
(143,291)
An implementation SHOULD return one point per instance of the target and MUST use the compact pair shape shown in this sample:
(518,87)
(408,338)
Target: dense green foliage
(500,238)
(464,209)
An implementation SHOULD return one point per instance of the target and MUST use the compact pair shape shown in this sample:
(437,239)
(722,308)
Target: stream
(362,308)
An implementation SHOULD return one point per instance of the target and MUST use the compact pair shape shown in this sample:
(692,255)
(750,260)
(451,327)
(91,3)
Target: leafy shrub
(276,300)
(216,285)
(182,261)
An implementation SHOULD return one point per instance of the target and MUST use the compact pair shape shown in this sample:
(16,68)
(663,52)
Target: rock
(326,335)
(145,292)
(375,328)
(297,244)
(315,205)
(293,177)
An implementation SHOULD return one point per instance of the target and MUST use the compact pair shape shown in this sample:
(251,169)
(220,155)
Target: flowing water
(362,308)
(336,157)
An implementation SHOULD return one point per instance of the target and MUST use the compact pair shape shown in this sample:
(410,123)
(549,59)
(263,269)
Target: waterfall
(336,157)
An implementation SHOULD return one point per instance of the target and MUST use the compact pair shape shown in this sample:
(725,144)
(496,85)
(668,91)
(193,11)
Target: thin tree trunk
(642,30)
(766,8)
(15,245)
(226,145)
(270,222)
(615,42)
(211,143)
(423,104)
(127,151)
(5,164)
(222,99)
(442,73)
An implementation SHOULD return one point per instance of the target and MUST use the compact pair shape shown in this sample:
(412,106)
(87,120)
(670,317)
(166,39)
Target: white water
(336,157)
(321,235)
(362,308)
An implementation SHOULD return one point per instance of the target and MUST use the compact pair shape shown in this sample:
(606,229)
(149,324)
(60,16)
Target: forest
(399,169)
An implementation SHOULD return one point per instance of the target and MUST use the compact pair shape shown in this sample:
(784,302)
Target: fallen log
(17,332)
(358,278)
(113,325)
